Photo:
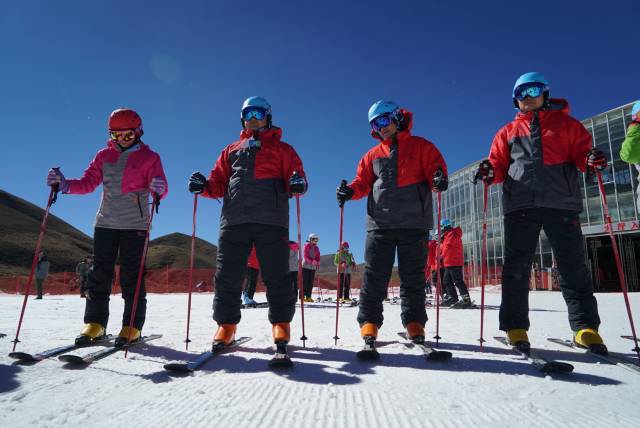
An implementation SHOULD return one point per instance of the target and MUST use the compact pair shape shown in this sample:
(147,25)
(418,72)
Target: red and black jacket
(538,156)
(396,177)
(254,181)
(452,250)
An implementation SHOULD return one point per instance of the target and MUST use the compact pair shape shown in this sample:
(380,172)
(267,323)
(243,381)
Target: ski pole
(335,338)
(53,196)
(614,245)
(483,260)
(438,276)
(154,208)
(300,282)
(193,251)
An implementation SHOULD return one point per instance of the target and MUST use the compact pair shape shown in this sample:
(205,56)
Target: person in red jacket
(396,176)
(430,266)
(537,157)
(255,176)
(128,171)
(253,270)
(453,261)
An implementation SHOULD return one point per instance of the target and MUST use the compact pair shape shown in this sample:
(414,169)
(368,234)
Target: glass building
(463,204)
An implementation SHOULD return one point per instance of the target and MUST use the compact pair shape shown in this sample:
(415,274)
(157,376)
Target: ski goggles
(125,136)
(381,122)
(254,113)
(529,91)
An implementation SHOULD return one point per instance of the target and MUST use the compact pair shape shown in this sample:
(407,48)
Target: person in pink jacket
(128,171)
(310,264)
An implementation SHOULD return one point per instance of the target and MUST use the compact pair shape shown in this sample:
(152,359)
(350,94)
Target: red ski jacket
(253,259)
(538,156)
(254,181)
(396,177)
(452,252)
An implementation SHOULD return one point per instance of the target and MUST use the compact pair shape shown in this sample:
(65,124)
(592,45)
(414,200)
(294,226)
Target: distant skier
(537,157)
(430,266)
(253,270)
(344,261)
(310,265)
(294,266)
(255,176)
(42,271)
(630,151)
(397,176)
(453,261)
(82,272)
(128,171)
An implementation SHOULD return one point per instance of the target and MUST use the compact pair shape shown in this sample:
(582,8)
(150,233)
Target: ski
(281,359)
(540,363)
(615,359)
(369,351)
(201,359)
(98,355)
(2,335)
(430,353)
(43,355)
(255,305)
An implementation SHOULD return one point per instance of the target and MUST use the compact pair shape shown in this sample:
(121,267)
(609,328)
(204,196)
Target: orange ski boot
(281,332)
(225,335)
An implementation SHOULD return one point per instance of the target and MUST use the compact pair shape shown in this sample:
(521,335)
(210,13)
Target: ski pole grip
(156,201)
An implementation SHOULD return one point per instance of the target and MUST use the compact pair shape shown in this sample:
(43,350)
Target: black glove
(596,160)
(343,193)
(297,184)
(197,182)
(440,181)
(484,172)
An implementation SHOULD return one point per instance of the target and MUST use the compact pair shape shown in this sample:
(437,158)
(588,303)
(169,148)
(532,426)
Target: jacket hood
(555,105)
(408,117)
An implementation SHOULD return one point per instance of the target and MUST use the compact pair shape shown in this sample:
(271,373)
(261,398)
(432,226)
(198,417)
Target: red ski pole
(438,278)
(154,208)
(335,338)
(300,284)
(483,267)
(53,196)
(614,245)
(193,252)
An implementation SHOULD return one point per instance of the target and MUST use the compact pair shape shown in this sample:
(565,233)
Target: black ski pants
(521,232)
(345,285)
(308,275)
(380,254)
(252,281)
(107,244)
(453,278)
(272,249)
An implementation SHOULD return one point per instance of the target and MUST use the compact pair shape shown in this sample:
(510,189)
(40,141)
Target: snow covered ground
(328,386)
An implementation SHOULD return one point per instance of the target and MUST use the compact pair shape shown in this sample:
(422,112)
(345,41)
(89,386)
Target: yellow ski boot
(590,339)
(123,336)
(518,338)
(92,331)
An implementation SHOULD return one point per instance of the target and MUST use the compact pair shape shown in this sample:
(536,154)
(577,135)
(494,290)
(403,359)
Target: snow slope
(328,386)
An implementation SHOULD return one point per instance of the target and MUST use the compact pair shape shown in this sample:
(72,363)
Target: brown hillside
(19,227)
(175,249)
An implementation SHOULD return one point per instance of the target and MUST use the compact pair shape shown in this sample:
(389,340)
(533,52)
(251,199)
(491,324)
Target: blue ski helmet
(382,107)
(529,78)
(445,223)
(256,102)
(635,110)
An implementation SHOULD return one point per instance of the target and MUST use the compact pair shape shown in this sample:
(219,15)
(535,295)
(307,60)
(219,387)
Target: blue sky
(187,66)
